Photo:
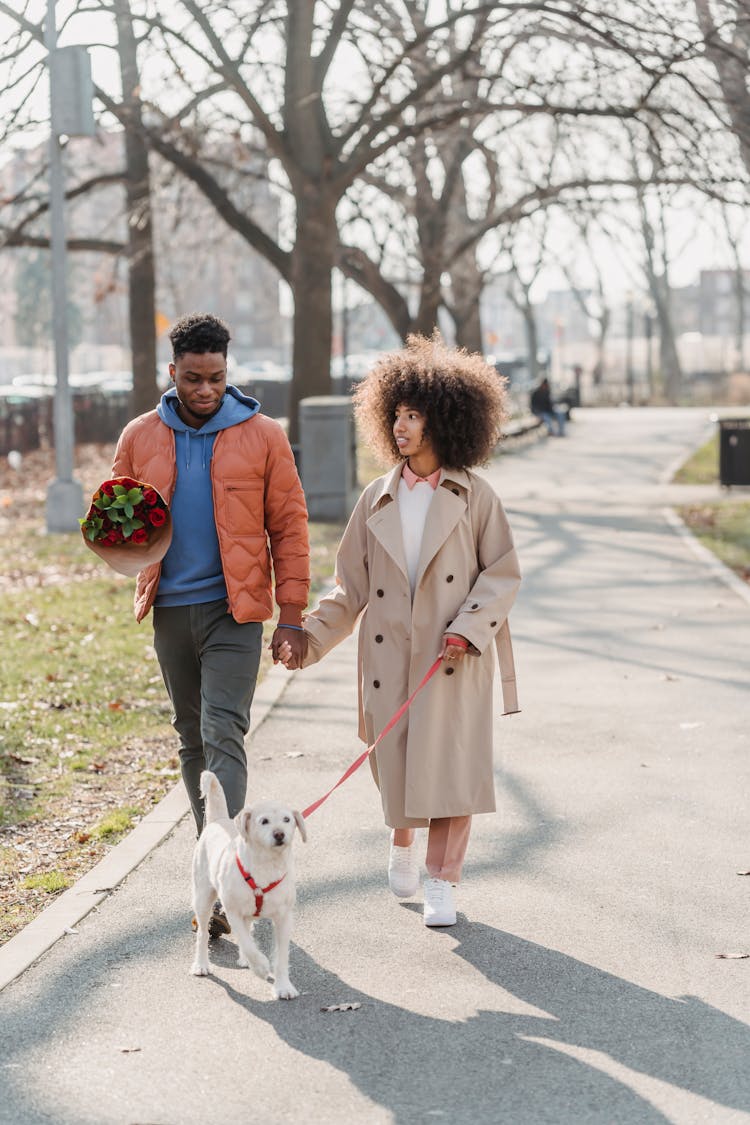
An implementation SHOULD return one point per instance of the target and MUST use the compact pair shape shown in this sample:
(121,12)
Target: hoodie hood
(235,407)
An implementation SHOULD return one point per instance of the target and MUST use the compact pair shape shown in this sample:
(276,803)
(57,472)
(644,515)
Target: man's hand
(288,647)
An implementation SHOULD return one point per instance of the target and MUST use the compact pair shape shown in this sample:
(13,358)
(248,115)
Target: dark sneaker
(218,924)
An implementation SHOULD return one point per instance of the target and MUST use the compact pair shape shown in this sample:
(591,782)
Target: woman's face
(409,431)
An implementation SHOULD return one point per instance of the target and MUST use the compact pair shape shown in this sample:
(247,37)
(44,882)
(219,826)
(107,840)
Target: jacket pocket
(244,506)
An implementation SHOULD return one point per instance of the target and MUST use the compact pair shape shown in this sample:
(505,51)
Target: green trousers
(210,665)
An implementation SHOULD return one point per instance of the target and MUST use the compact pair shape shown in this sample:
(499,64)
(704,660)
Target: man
(541,406)
(228,474)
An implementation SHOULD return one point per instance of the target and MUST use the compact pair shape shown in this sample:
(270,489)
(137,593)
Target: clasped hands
(288,647)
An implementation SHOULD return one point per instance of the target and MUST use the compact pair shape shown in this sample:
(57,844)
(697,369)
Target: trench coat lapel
(445,511)
(385,522)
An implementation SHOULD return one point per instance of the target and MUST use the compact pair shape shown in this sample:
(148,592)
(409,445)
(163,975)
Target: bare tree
(594,301)
(735,224)
(725,28)
(29,208)
(267,67)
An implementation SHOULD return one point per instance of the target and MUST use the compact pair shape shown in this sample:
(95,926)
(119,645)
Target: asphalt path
(581,983)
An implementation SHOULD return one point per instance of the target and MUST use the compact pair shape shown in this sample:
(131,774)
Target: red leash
(388,727)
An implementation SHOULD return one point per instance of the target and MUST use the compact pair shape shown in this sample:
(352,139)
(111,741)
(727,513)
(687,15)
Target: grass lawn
(86,745)
(723,526)
(703,466)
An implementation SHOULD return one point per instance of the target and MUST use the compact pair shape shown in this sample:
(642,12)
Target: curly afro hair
(461,396)
(199,333)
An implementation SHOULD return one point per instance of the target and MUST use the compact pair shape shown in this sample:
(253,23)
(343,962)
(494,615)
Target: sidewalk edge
(71,907)
(719,569)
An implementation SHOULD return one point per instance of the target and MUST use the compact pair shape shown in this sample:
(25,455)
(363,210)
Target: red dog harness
(259,892)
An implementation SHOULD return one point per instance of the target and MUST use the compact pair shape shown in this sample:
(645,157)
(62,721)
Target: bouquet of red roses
(128,525)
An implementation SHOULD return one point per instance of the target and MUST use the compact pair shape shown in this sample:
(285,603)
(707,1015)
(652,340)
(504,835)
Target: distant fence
(26,413)
(26,418)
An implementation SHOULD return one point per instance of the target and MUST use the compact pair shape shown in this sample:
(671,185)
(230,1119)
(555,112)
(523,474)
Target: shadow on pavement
(418,1067)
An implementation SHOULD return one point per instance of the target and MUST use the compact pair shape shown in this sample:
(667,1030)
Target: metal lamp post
(70,115)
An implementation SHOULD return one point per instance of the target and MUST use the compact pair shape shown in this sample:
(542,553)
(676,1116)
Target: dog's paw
(285,990)
(198,969)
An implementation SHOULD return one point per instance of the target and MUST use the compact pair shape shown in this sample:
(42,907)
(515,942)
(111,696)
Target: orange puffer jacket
(259,507)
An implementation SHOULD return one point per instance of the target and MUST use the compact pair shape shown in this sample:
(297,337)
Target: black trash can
(734,451)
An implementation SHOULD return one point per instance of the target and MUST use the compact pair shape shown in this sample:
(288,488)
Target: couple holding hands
(426,565)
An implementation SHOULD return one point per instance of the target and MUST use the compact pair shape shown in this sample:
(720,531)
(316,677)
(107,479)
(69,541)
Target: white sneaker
(439,907)
(403,870)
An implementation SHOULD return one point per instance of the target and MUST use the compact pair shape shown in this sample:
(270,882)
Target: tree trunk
(532,341)
(469,326)
(313,260)
(740,302)
(669,360)
(430,297)
(467,282)
(140,244)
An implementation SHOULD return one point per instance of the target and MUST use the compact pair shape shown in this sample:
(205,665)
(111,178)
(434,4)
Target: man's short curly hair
(462,397)
(199,333)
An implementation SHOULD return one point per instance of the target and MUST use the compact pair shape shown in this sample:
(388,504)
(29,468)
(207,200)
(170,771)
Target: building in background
(200,265)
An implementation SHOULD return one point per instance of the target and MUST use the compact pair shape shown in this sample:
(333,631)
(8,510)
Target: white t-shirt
(413,505)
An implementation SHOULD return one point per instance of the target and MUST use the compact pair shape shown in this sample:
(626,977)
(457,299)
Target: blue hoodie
(191,570)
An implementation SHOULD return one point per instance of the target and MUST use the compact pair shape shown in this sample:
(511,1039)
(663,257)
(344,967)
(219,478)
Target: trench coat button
(493,624)
(475,606)
(449,578)
(376,683)
(449,671)
(379,593)
(379,639)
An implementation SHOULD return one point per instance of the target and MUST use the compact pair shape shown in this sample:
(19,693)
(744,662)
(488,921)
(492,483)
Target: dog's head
(268,824)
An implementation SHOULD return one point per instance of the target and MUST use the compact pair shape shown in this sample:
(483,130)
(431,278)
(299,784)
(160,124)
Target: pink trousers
(447,841)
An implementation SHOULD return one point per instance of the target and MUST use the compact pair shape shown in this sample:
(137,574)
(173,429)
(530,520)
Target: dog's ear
(300,824)
(242,820)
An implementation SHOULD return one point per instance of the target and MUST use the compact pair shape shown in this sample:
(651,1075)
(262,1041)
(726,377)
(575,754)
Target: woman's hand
(454,647)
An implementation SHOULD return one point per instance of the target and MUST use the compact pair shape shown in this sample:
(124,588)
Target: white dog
(247,864)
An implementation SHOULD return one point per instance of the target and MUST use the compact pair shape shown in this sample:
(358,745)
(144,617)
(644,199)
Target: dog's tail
(213,794)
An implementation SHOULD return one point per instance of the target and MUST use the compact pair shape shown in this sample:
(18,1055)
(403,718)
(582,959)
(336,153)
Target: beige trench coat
(437,761)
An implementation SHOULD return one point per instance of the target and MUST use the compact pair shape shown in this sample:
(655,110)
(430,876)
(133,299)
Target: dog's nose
(279,835)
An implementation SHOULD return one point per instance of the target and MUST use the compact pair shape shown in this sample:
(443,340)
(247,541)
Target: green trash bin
(734,451)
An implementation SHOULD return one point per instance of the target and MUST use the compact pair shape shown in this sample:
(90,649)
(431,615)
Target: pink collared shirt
(410,478)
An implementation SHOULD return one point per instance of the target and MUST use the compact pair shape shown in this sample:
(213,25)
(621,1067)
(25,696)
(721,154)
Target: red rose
(139,535)
(157,517)
(114,536)
(128,482)
(108,489)
(150,497)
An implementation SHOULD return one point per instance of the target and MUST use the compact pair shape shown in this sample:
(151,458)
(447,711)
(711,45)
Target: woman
(427,560)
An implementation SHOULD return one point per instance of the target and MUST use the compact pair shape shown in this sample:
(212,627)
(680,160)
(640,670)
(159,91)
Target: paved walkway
(581,983)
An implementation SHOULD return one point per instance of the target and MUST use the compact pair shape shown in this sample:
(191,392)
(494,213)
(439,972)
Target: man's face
(200,381)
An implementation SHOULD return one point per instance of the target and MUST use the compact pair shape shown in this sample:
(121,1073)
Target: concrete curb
(62,915)
(714,564)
